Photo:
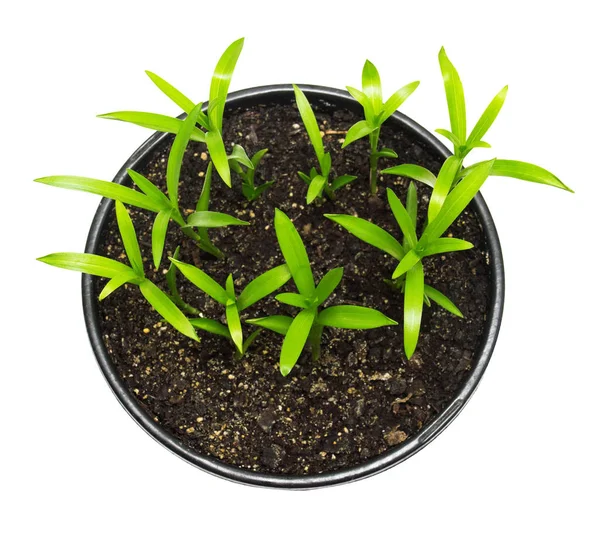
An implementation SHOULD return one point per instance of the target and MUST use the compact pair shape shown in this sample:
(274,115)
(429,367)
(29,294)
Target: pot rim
(370,467)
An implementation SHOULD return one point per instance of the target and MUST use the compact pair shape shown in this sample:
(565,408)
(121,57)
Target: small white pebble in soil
(146,330)
(231,377)
(189,430)
(203,156)
(199,419)
(295,126)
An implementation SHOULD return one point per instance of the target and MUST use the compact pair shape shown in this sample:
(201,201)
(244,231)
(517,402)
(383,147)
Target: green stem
(329,192)
(314,337)
(202,243)
(373,159)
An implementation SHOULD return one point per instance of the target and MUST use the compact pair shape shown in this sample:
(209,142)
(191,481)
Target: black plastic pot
(329,97)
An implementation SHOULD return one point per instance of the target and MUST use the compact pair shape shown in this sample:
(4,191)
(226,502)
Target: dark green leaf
(439,298)
(442,186)
(455,97)
(258,156)
(416,172)
(159,233)
(263,285)
(203,281)
(278,324)
(353,317)
(358,130)
(487,118)
(251,339)
(295,339)
(403,218)
(207,219)
(310,123)
(251,193)
(174,94)
(413,308)
(211,326)
(341,181)
(130,242)
(87,263)
(117,281)
(397,99)
(315,189)
(292,299)
(149,189)
(218,155)
(328,284)
(235,326)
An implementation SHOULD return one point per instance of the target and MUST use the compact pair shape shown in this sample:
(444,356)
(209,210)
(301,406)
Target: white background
(521,458)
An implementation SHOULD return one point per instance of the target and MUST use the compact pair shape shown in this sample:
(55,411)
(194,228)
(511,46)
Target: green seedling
(318,181)
(120,274)
(408,276)
(463,144)
(151,198)
(246,168)
(309,323)
(376,113)
(256,290)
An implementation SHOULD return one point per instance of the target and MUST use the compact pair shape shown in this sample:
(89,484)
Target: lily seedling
(246,168)
(256,290)
(376,113)
(318,181)
(120,274)
(309,323)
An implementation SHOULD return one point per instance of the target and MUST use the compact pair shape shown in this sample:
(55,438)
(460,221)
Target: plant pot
(335,99)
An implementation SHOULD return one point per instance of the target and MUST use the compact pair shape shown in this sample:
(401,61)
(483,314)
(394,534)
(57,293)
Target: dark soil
(363,396)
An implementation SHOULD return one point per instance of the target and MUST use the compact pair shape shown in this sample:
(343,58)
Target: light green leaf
(304,177)
(328,284)
(411,258)
(416,172)
(526,171)
(174,94)
(229,287)
(130,242)
(249,341)
(263,285)
(167,309)
(341,181)
(159,233)
(325,164)
(442,186)
(219,85)
(235,326)
(447,245)
(87,263)
(359,96)
(385,153)
(369,233)
(149,189)
(353,317)
(310,122)
(315,189)
(397,99)
(204,199)
(239,155)
(106,189)
(153,121)
(218,155)
(356,131)
(117,281)
(403,218)
(481,145)
(203,281)
(211,326)
(295,339)
(294,253)
(487,118)
(439,298)
(207,219)
(455,97)
(411,206)
(449,136)
(413,308)
(292,299)
(371,86)
(277,323)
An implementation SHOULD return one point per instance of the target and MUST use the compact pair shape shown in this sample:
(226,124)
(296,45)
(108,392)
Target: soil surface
(363,396)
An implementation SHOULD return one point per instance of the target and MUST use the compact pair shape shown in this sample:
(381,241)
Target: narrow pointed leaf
(295,339)
(385,153)
(397,99)
(277,323)
(442,186)
(439,298)
(239,155)
(416,172)
(310,122)
(528,172)
(173,93)
(406,263)
(149,189)
(328,284)
(106,189)
(218,155)
(304,177)
(315,189)
(447,245)
(203,281)
(369,233)
(250,340)
(325,164)
(167,309)
(353,317)
(87,263)
(455,97)
(294,253)
(153,121)
(235,326)
(258,156)
(371,86)
(449,136)
(130,242)
(211,326)
(413,308)
(481,145)
(204,199)
(229,287)
(411,204)
(487,118)
(292,299)
(359,96)
(341,181)
(117,281)
(159,233)
(402,218)
(263,285)
(207,219)
(357,131)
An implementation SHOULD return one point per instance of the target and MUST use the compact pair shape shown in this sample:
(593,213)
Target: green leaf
(294,253)
(442,186)
(258,156)
(117,281)
(149,189)
(295,339)
(403,218)
(455,97)
(369,233)
(356,131)
(409,260)
(447,245)
(371,86)
(325,164)
(218,155)
(385,153)
(450,136)
(458,199)
(315,189)
(250,340)
(305,177)
(165,307)
(176,156)
(292,299)
(277,323)
(263,285)
(525,171)
(413,308)
(229,287)
(416,172)
(106,189)
(130,242)
(204,199)
(235,326)
(310,122)
(174,94)
(439,298)
(328,284)
(203,281)
(219,85)
(353,317)
(362,99)
(251,193)
(154,121)
(341,181)
(207,219)
(239,155)
(481,145)
(487,118)
(411,205)
(211,326)
(159,233)
(87,263)
(397,99)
